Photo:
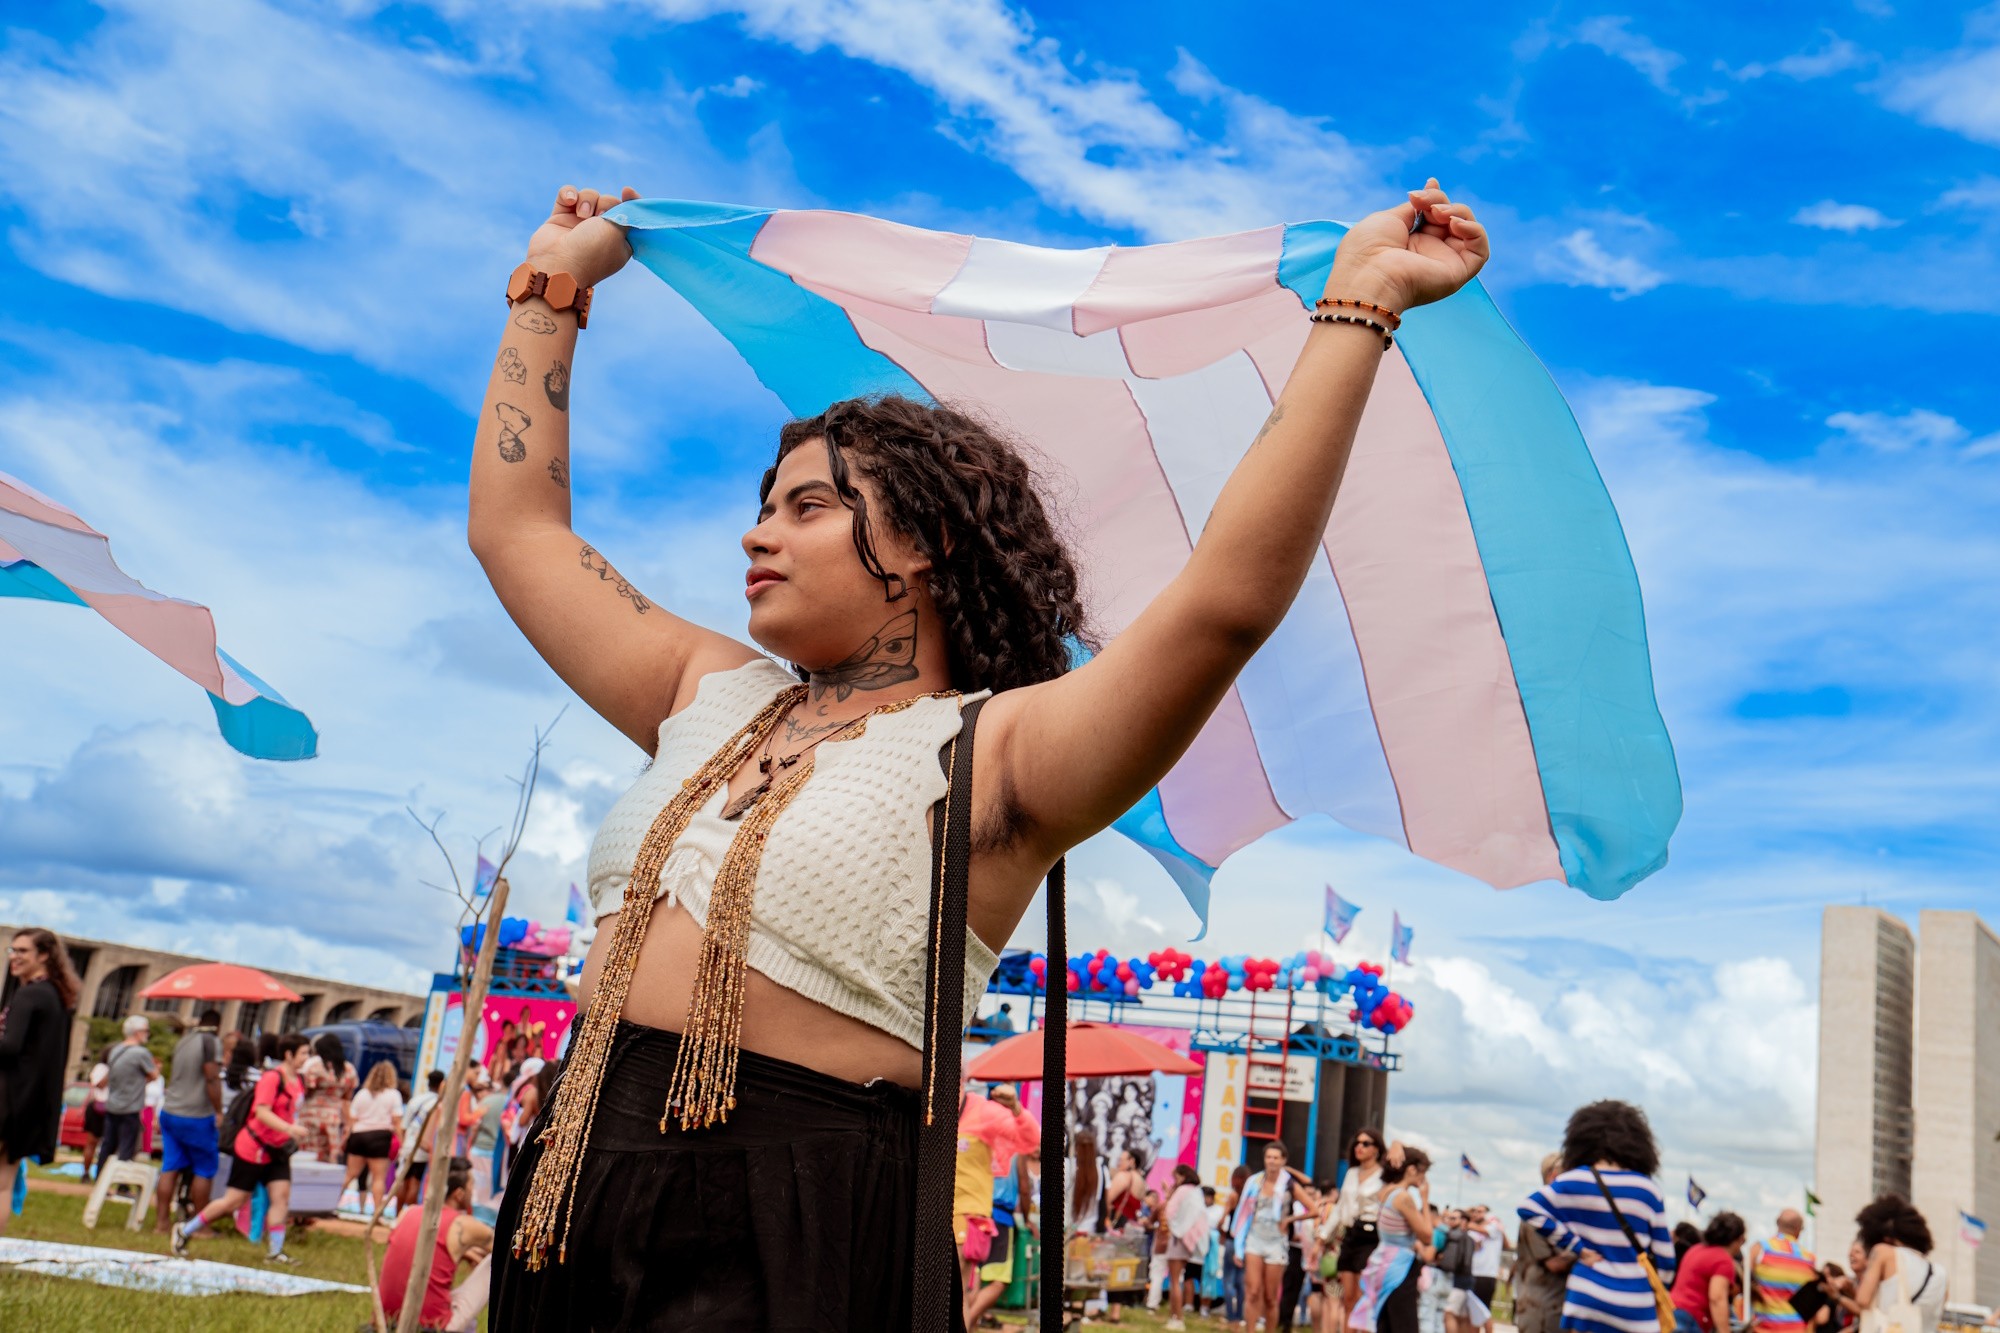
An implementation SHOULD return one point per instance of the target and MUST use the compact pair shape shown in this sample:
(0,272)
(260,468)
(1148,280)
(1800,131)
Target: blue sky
(253,260)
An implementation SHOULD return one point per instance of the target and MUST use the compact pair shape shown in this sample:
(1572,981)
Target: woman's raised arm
(1078,751)
(630,660)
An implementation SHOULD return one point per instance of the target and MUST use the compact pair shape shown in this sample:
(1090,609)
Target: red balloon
(1124,971)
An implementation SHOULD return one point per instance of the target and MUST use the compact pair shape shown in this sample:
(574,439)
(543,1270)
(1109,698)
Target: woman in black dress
(34,1034)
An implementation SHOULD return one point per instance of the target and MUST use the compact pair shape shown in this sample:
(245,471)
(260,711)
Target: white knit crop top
(842,908)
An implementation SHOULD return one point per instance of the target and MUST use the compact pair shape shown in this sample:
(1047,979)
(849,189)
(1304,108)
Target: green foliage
(106,1032)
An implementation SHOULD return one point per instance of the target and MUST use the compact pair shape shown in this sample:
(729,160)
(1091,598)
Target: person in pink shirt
(990,1133)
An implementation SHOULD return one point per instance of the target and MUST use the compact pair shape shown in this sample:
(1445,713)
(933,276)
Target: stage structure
(1280,1065)
(531,996)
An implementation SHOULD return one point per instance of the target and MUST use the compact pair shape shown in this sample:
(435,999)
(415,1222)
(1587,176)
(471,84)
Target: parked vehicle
(75,1097)
(366,1042)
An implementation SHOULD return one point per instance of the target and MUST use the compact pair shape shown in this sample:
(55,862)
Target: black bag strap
(937,1305)
(1054,1201)
(1623,1225)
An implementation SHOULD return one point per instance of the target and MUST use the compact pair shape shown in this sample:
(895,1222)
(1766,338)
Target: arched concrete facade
(114,974)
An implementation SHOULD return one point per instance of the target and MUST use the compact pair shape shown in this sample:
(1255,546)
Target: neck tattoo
(889,657)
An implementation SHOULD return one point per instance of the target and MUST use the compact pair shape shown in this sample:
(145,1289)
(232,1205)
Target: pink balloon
(1132,987)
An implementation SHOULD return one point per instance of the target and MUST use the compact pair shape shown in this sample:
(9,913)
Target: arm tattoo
(556,385)
(559,472)
(512,367)
(534,321)
(512,422)
(1277,415)
(888,658)
(601,567)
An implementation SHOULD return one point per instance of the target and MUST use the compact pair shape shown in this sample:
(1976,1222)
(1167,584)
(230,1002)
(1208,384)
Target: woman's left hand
(1382,259)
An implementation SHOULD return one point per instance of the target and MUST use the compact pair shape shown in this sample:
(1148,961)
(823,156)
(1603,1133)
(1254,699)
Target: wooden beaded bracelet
(1395,320)
(1388,340)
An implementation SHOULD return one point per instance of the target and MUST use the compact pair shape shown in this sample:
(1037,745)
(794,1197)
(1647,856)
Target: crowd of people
(1364,1252)
(263,1102)
(1368,1252)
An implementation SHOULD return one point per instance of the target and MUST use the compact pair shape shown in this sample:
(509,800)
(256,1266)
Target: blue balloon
(1236,981)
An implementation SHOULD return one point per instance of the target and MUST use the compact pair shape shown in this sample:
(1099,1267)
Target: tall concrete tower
(1862,1144)
(1957,1162)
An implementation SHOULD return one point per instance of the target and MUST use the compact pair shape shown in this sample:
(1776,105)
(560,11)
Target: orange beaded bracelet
(1395,320)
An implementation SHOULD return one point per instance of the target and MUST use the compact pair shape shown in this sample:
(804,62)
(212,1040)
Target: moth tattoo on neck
(888,658)
(513,424)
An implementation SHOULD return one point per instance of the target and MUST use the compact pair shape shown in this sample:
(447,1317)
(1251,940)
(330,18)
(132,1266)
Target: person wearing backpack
(266,1130)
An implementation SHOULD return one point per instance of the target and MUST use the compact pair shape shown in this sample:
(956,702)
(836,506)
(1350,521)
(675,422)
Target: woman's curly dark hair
(1610,1131)
(1002,579)
(1893,1220)
(1723,1230)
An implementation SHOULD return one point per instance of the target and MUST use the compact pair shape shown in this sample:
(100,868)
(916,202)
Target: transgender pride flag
(48,553)
(1465,670)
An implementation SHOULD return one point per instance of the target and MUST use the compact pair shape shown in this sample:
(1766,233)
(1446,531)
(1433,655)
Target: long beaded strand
(552,1193)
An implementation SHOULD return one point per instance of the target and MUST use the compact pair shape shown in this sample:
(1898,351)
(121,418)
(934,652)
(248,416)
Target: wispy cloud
(1089,138)
(1850,218)
(1959,91)
(1918,428)
(1580,260)
(1833,56)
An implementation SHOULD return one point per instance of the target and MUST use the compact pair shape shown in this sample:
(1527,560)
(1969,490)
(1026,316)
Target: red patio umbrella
(1093,1050)
(218,981)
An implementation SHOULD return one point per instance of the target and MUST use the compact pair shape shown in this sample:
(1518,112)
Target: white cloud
(1833,56)
(1613,35)
(1850,218)
(1089,139)
(1959,92)
(1918,428)
(1581,261)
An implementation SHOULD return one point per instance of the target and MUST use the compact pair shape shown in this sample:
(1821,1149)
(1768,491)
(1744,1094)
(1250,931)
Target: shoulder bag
(1663,1300)
(937,1301)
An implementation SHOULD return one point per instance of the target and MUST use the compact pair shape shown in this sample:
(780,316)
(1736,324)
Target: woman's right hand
(576,240)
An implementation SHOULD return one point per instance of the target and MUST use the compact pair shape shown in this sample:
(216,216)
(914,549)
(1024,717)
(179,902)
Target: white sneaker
(1175,1326)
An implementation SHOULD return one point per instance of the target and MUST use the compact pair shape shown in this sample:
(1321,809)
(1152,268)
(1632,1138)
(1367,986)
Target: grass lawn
(57,1303)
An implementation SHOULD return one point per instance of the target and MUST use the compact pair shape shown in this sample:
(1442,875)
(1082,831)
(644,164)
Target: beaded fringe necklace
(702,1090)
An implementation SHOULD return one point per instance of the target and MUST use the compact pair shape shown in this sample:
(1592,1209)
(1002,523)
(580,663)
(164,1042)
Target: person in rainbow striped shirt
(1778,1268)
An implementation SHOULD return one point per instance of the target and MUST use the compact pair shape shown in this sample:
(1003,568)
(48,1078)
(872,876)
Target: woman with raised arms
(731,1145)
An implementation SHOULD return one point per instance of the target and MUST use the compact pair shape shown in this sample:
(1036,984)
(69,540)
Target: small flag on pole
(1465,1165)
(1399,938)
(1970,1229)
(1812,1204)
(483,877)
(1340,916)
(579,908)
(1696,1195)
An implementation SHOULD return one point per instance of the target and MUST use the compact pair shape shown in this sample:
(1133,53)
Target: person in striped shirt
(1608,1290)
(1778,1268)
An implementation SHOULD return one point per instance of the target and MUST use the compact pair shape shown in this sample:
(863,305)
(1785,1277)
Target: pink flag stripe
(1132,536)
(1439,679)
(905,267)
(1138,283)
(25,500)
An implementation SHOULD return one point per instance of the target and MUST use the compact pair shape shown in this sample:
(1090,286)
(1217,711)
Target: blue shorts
(190,1144)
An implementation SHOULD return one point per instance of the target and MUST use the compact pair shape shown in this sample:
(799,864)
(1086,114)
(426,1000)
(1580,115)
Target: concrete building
(1867,1001)
(1909,1081)
(114,974)
(1957,1162)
